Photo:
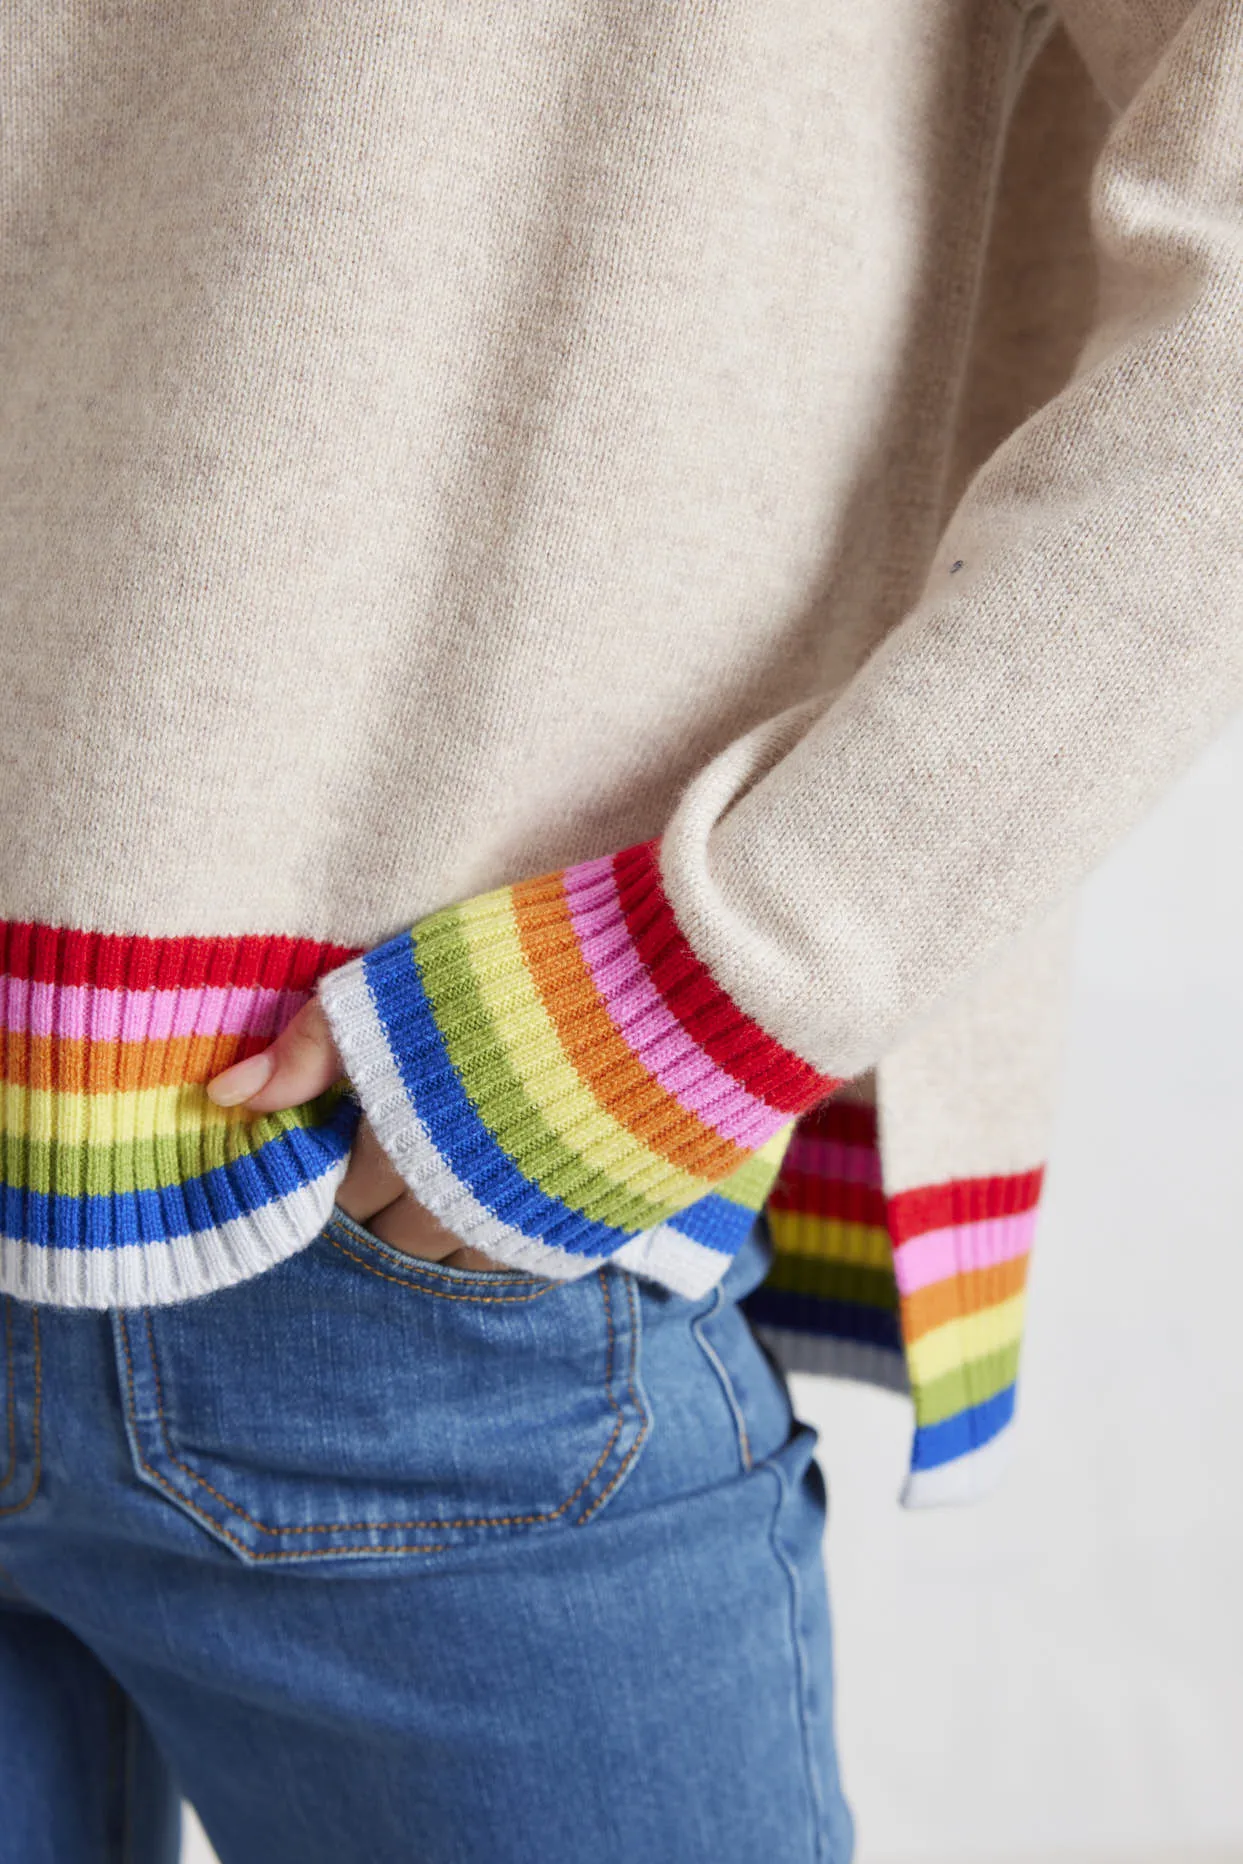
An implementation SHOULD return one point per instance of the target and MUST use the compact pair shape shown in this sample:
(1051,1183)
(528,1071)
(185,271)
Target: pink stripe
(961,1248)
(646,1024)
(835,1159)
(76,1012)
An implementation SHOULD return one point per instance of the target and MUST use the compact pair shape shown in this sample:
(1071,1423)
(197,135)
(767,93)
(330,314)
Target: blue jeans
(382,1561)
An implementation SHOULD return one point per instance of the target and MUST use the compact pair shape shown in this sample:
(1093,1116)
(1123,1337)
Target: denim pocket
(355,1401)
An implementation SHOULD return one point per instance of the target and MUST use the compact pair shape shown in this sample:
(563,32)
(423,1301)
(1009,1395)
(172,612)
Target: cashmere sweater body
(773,477)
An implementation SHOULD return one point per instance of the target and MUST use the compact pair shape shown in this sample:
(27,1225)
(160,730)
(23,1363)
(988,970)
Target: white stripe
(153,1274)
(966,1479)
(678,1262)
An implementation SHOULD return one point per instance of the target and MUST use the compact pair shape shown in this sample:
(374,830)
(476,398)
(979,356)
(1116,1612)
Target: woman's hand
(300,1064)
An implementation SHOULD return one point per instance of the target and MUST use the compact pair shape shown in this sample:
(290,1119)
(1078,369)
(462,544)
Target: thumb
(301,1063)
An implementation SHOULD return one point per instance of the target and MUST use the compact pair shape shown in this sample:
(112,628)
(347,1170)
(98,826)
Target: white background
(1057,1673)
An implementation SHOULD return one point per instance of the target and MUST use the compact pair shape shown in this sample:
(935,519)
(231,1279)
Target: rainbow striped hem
(920,1291)
(560,1080)
(121,1184)
(556,1076)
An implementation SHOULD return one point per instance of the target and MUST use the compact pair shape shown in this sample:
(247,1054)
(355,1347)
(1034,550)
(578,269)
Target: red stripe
(124,961)
(850,1122)
(709,1016)
(830,1198)
(962,1200)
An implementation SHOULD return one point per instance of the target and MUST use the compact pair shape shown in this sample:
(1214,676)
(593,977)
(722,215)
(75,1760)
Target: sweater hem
(966,1478)
(181,1268)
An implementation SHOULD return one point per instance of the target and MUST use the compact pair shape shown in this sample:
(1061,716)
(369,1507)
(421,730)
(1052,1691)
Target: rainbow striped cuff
(559,1079)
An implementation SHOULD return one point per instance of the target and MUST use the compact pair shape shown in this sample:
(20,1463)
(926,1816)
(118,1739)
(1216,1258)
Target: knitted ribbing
(121,1183)
(922,1291)
(559,1078)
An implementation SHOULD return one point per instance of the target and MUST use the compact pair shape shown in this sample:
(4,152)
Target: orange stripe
(601,1056)
(75,1065)
(961,1294)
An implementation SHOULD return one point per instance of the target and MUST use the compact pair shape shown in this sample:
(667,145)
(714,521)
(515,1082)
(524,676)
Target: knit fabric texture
(920,1292)
(801,448)
(559,1079)
(120,1181)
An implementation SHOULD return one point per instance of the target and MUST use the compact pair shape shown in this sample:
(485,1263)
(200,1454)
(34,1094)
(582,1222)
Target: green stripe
(749,1185)
(481,1062)
(829,1280)
(149,1164)
(965,1386)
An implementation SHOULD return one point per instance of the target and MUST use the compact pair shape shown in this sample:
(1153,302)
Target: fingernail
(242,1080)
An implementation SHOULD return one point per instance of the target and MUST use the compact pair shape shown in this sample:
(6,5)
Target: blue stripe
(832,1319)
(967,1430)
(117,1219)
(715,1222)
(466,1145)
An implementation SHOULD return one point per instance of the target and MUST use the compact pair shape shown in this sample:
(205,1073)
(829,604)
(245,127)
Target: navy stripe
(965,1431)
(834,1319)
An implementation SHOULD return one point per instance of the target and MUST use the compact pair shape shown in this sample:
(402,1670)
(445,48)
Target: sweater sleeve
(1079,637)
(607,1061)
(559,1079)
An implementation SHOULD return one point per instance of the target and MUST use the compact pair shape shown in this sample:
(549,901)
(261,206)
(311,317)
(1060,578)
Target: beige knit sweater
(442,444)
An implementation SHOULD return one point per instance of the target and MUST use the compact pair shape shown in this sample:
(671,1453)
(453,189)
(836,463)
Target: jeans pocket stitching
(202,1514)
(413,1283)
(543,1517)
(641,1411)
(504,1275)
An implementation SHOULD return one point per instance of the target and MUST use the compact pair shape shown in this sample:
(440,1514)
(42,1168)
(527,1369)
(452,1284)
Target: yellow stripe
(968,1337)
(549,1078)
(110,1119)
(830,1239)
